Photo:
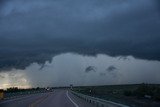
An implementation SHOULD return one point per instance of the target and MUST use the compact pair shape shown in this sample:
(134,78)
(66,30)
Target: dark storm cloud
(158,4)
(2,2)
(35,31)
(90,69)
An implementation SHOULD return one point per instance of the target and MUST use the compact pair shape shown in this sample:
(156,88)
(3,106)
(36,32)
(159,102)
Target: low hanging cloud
(61,73)
(36,31)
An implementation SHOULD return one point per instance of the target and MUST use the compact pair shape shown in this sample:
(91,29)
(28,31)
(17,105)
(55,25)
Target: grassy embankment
(133,95)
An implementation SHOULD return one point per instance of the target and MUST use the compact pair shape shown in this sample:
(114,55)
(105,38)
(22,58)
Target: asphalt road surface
(57,98)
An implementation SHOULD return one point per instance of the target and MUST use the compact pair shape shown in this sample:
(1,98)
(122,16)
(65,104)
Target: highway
(57,98)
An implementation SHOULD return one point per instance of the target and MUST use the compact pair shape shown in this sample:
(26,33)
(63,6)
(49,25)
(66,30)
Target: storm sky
(101,41)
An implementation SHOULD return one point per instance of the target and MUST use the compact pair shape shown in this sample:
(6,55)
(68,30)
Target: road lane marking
(71,100)
(38,101)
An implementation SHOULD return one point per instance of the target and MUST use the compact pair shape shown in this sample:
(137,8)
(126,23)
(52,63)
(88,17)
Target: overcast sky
(33,33)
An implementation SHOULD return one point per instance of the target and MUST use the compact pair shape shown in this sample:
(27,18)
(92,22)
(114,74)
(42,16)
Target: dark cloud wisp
(111,68)
(90,69)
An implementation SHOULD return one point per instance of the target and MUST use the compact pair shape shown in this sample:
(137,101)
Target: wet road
(58,98)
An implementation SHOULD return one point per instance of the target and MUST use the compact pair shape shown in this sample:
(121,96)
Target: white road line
(71,100)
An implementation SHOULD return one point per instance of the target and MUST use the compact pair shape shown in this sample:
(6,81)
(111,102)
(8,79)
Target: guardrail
(97,101)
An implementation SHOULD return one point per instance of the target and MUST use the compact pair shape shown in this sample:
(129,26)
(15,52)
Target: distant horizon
(81,86)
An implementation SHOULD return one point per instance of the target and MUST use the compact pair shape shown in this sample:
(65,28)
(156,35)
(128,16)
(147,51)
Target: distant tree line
(16,89)
(145,91)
